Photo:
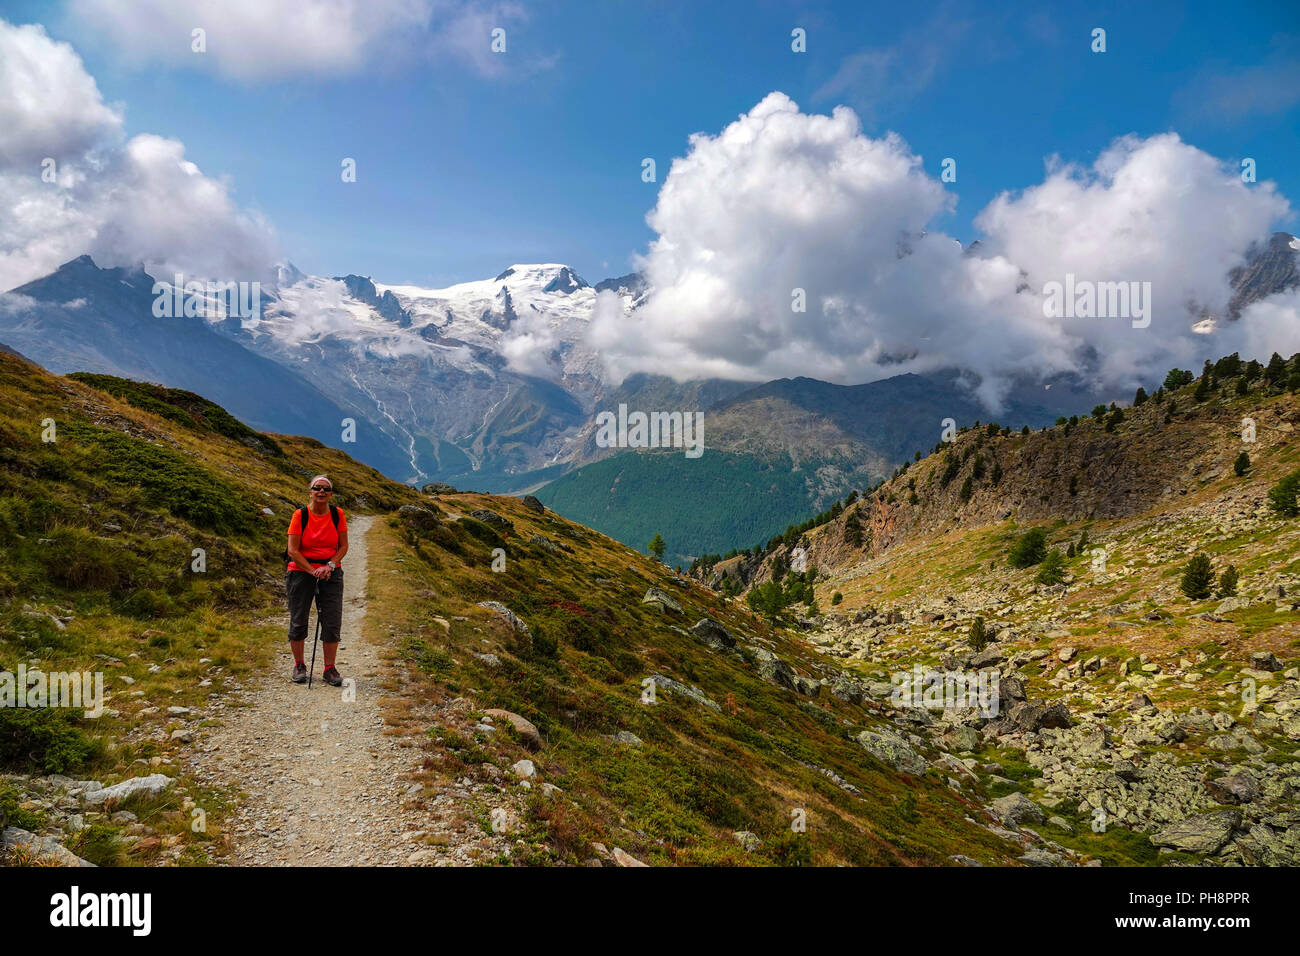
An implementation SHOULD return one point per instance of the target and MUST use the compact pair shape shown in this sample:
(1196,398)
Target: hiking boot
(331,677)
(299,674)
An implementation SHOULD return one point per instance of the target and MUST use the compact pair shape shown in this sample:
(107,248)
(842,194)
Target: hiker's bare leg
(296,646)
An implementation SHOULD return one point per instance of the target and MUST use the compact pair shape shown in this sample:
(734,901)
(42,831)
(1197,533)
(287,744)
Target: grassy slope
(170,483)
(97,530)
(700,774)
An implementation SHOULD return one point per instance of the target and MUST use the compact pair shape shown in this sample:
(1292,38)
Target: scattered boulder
(848,690)
(439,488)
(524,769)
(1265,661)
(44,850)
(989,657)
(1016,808)
(665,683)
(1032,716)
(1011,690)
(880,689)
(525,728)
(713,634)
(891,749)
(517,624)
(748,841)
(532,504)
(962,739)
(772,668)
(663,601)
(490,517)
(1204,833)
(626,737)
(419,518)
(807,686)
(546,544)
(626,859)
(1239,787)
(150,786)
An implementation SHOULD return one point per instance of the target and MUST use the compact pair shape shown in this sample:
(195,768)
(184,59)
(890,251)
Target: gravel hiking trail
(320,783)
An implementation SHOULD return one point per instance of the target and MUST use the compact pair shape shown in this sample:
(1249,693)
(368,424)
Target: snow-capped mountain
(488,383)
(489,378)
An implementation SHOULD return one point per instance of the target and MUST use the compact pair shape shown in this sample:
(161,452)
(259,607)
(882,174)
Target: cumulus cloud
(252,40)
(155,206)
(49,106)
(1156,210)
(781,200)
(124,203)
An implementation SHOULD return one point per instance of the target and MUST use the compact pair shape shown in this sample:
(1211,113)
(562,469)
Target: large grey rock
(1032,716)
(713,634)
(807,686)
(1204,833)
(1011,690)
(1238,787)
(1016,808)
(489,517)
(962,738)
(150,786)
(524,727)
(665,602)
(879,689)
(532,504)
(664,683)
(892,750)
(1265,661)
(41,849)
(517,624)
(546,544)
(772,668)
(848,690)
(989,657)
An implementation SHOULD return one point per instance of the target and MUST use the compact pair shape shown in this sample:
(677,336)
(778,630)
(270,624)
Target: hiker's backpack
(302,524)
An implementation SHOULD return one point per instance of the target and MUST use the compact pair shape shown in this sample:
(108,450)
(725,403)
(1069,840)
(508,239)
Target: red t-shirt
(320,540)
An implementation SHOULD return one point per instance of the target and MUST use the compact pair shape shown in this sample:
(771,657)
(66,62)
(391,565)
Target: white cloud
(782,200)
(126,203)
(156,207)
(49,105)
(252,40)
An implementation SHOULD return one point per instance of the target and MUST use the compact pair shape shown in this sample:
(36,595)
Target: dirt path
(322,783)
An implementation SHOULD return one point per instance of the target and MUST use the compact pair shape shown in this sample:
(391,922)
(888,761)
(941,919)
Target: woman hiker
(315,553)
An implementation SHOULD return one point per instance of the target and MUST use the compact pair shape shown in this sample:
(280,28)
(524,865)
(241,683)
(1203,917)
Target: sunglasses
(322,488)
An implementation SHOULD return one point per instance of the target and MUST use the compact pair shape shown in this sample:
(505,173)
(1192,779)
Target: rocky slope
(1177,719)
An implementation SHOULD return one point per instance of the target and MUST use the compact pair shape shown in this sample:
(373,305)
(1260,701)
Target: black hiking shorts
(301,588)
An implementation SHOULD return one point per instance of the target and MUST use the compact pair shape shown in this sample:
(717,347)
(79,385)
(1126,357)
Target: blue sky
(462,172)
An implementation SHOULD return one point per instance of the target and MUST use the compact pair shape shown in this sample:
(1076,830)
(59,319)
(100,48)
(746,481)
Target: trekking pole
(311,673)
